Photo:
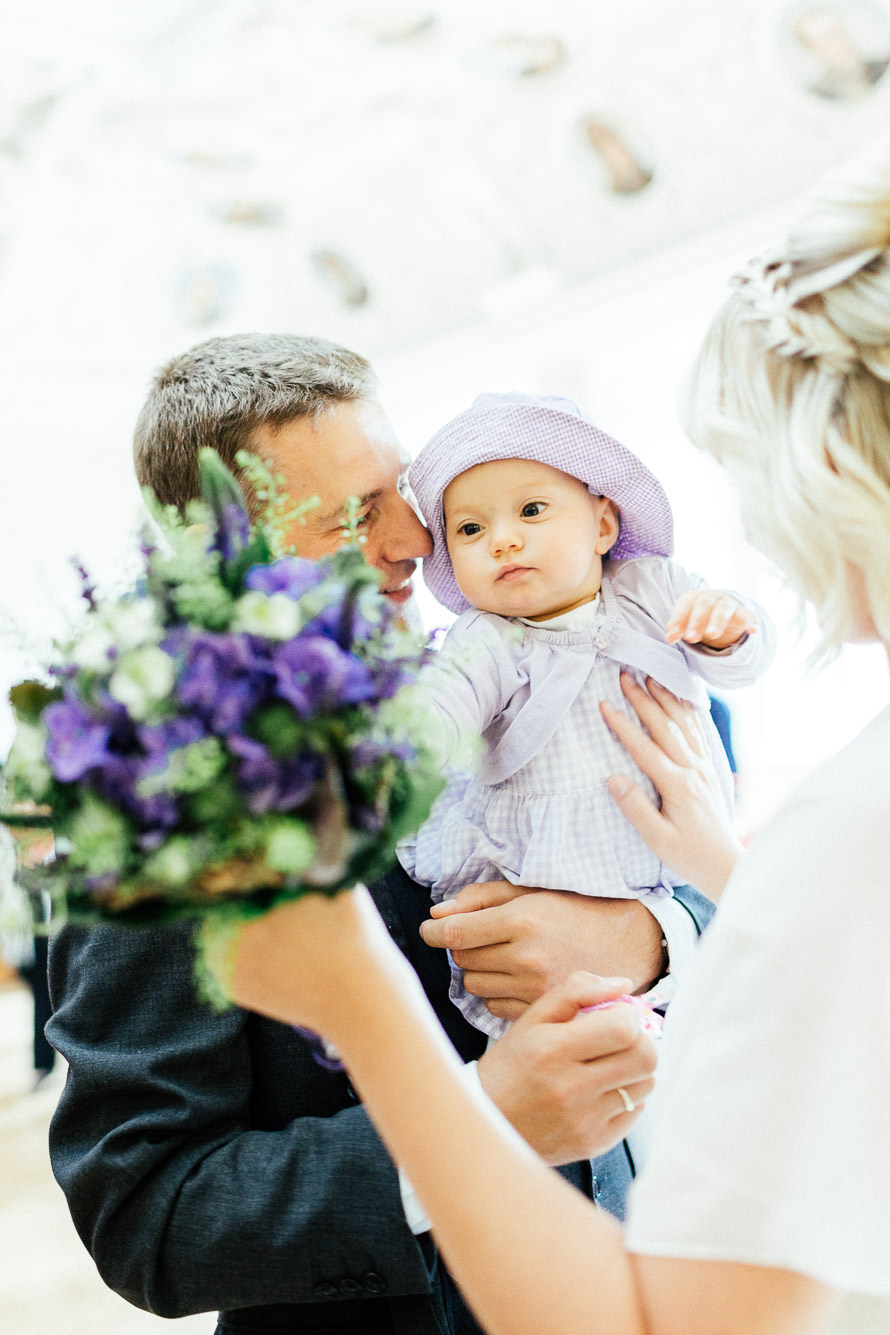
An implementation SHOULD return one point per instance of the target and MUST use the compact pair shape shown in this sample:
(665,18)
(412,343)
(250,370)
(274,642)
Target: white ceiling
(169,170)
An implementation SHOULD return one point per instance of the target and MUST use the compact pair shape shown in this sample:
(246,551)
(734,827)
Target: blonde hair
(791,392)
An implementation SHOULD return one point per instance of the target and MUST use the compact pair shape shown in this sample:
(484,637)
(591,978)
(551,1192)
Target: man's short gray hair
(220,391)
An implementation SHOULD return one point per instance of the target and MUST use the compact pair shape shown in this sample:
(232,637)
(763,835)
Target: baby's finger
(722,612)
(679,618)
(699,616)
(742,622)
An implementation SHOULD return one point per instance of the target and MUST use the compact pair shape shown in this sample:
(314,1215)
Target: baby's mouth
(511,572)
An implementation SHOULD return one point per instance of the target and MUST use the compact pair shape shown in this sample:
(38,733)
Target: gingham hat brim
(531,429)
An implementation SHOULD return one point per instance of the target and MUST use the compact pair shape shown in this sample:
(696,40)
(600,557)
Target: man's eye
(533,508)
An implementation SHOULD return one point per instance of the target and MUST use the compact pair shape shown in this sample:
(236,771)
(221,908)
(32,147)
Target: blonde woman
(765,1207)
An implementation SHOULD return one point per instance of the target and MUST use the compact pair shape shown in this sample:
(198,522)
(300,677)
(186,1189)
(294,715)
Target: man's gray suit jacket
(210,1163)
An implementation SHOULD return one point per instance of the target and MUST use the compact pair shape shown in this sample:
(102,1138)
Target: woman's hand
(557,1071)
(692,832)
(311,962)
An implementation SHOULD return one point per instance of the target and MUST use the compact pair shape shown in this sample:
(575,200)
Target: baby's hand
(711,618)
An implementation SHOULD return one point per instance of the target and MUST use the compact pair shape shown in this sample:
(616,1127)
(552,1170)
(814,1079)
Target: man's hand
(514,943)
(556,1073)
(709,617)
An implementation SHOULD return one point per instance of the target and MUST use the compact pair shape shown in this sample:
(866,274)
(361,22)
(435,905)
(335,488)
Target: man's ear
(609,526)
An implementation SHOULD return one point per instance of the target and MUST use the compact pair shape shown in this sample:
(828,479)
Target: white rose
(133,622)
(141,679)
(91,650)
(275,616)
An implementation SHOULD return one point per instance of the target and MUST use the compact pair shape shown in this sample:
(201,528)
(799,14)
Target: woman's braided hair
(791,392)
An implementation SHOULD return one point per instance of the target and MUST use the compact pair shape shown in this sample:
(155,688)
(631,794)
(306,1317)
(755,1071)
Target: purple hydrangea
(159,739)
(368,752)
(78,740)
(271,784)
(292,575)
(341,622)
(390,675)
(117,781)
(314,674)
(223,677)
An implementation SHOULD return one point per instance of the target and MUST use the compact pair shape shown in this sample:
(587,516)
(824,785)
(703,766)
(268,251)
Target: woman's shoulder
(824,856)
(852,789)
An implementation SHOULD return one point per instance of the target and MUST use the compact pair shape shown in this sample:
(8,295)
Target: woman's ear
(609,526)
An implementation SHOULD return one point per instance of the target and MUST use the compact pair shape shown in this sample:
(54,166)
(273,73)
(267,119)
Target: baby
(552,541)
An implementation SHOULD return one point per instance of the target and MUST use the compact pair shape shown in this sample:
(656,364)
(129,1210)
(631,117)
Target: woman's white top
(771,1133)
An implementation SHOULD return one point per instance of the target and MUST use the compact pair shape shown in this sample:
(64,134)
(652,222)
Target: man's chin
(404,604)
(401,595)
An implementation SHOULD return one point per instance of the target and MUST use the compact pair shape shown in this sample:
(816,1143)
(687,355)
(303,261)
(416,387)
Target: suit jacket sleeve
(204,1156)
(700,909)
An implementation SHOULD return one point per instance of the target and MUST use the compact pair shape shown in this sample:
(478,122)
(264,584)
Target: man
(207,1160)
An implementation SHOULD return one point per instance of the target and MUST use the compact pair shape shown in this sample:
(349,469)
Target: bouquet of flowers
(233,731)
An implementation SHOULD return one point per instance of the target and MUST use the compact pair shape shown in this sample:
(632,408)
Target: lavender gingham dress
(534,810)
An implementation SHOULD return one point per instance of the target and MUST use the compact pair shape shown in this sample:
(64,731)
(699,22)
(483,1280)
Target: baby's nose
(505,538)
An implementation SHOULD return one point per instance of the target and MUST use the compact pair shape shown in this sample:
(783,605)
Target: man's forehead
(349,452)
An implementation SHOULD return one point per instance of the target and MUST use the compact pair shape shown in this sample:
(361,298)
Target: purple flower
(342,622)
(390,675)
(87,585)
(159,739)
(158,810)
(322,1052)
(313,674)
(222,679)
(270,784)
(292,575)
(78,741)
(232,531)
(367,752)
(116,781)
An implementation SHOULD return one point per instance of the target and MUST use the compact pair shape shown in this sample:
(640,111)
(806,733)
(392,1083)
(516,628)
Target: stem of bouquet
(215,947)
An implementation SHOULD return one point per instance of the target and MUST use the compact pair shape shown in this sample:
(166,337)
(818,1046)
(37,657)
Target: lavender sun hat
(552,431)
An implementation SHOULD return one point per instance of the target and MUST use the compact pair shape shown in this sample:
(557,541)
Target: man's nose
(406,538)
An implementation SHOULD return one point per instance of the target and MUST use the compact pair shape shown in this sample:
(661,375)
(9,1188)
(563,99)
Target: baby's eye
(469,529)
(533,508)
